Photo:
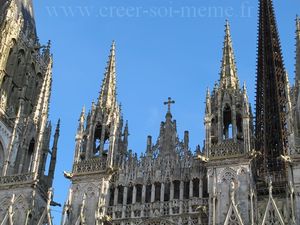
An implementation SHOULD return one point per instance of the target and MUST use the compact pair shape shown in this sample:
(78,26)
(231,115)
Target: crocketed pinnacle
(229,78)
(107,99)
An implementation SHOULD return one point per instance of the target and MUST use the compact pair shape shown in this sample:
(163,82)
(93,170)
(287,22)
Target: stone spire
(272,97)
(107,99)
(42,106)
(208,103)
(54,154)
(228,75)
(298,50)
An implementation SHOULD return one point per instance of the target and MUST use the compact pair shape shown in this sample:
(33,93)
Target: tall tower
(272,101)
(294,181)
(228,145)
(25,81)
(98,144)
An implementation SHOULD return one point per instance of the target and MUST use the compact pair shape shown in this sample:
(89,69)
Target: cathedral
(247,173)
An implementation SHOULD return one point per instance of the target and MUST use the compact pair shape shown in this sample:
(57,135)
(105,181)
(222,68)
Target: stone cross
(169,102)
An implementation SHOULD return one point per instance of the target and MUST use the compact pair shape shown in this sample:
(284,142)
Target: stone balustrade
(90,165)
(174,207)
(15,179)
(227,148)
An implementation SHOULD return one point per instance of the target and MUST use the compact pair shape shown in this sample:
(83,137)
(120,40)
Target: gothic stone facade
(25,80)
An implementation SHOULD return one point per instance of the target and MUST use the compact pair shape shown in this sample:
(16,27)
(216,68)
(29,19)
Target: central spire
(229,78)
(271,97)
(107,99)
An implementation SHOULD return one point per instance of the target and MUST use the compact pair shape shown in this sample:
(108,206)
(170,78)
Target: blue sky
(164,48)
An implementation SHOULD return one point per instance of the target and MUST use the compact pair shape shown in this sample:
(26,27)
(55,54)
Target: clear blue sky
(164,48)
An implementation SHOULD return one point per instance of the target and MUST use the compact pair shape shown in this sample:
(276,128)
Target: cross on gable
(169,102)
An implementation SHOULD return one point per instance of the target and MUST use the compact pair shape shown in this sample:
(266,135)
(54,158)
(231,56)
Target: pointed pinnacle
(245,86)
(207,93)
(82,111)
(58,125)
(113,47)
(228,69)
(227,28)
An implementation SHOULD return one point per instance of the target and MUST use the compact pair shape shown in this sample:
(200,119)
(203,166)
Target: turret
(223,111)
(207,121)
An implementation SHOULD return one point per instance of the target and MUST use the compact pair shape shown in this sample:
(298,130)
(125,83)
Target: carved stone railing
(15,179)
(174,207)
(90,165)
(227,148)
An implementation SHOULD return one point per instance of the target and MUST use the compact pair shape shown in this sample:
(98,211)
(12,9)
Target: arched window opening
(186,190)
(129,195)
(29,156)
(139,190)
(167,192)
(83,147)
(111,196)
(98,142)
(196,182)
(148,193)
(205,188)
(227,123)
(157,192)
(239,124)
(120,194)
(176,189)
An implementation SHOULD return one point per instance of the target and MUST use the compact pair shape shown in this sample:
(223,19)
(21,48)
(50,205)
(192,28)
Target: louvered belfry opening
(271,101)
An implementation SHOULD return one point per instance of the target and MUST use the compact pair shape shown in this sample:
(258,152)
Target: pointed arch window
(148,193)
(239,125)
(157,191)
(139,190)
(227,123)
(176,189)
(29,156)
(101,140)
(129,195)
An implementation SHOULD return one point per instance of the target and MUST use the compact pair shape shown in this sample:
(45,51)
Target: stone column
(181,190)
(201,188)
(125,195)
(124,201)
(143,193)
(134,195)
(191,188)
(116,196)
(162,192)
(234,128)
(191,195)
(152,193)
(181,195)
(172,191)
